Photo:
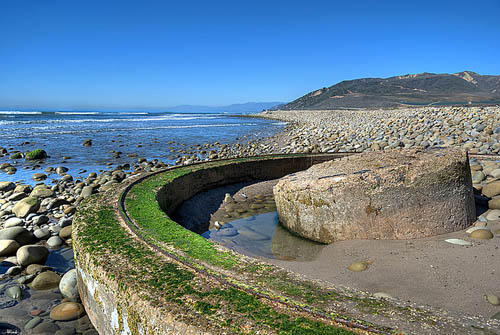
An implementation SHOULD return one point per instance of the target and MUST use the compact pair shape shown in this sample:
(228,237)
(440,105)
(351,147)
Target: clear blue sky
(127,54)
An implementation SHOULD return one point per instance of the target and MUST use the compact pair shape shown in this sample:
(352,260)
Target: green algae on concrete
(199,301)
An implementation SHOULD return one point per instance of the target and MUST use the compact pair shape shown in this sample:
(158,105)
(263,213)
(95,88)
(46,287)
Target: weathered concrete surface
(400,194)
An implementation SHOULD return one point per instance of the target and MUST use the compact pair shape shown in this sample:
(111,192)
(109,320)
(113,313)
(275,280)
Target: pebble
(493,215)
(483,234)
(14,292)
(68,285)
(54,242)
(31,254)
(67,311)
(358,266)
(8,247)
(33,323)
(493,299)
(46,280)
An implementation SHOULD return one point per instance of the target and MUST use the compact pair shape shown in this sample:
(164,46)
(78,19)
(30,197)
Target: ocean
(152,135)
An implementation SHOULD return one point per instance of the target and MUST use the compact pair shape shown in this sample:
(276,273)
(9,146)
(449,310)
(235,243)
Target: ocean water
(152,135)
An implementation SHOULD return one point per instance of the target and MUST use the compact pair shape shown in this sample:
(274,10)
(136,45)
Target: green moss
(136,267)
(36,154)
(16,155)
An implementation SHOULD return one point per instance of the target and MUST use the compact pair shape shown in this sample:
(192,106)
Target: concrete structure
(399,194)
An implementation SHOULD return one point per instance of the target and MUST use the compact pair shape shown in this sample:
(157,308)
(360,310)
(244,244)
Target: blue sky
(153,54)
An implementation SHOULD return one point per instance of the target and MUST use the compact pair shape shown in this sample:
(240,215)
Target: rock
(483,234)
(6,186)
(458,241)
(358,266)
(17,196)
(87,143)
(496,316)
(20,234)
(26,206)
(494,203)
(46,280)
(65,232)
(36,154)
(87,191)
(54,242)
(33,323)
(68,285)
(495,173)
(36,269)
(42,233)
(65,222)
(228,199)
(383,295)
(492,299)
(379,195)
(493,215)
(13,271)
(39,176)
(40,220)
(67,311)
(8,247)
(46,328)
(492,189)
(14,292)
(13,222)
(477,177)
(32,254)
(41,191)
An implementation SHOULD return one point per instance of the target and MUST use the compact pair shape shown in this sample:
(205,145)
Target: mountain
(413,89)
(247,107)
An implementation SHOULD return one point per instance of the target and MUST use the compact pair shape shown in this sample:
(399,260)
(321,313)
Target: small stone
(41,233)
(496,316)
(8,247)
(54,242)
(46,280)
(228,199)
(33,323)
(494,203)
(41,191)
(492,189)
(20,234)
(36,269)
(65,232)
(67,311)
(482,234)
(13,222)
(46,328)
(493,215)
(6,186)
(358,266)
(35,312)
(68,285)
(492,299)
(14,292)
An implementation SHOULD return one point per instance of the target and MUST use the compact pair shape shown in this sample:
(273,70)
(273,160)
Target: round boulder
(399,194)
(67,311)
(68,285)
(32,254)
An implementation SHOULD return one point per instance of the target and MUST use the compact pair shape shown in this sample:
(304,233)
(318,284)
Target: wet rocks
(20,234)
(483,234)
(8,247)
(46,280)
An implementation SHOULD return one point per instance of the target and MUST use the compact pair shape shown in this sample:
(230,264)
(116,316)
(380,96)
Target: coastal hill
(413,89)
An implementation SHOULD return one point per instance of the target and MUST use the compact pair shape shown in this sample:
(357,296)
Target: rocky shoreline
(41,214)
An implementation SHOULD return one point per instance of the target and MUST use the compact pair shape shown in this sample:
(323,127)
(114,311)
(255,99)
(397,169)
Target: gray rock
(40,220)
(42,233)
(13,271)
(14,292)
(54,242)
(68,285)
(6,186)
(33,323)
(64,222)
(46,280)
(17,196)
(41,191)
(13,222)
(46,327)
(87,191)
(26,206)
(8,247)
(20,234)
(32,254)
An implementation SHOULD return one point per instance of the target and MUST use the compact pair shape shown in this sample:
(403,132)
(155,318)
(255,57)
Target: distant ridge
(412,89)
(247,107)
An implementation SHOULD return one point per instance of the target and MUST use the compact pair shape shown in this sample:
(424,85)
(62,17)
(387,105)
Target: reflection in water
(261,235)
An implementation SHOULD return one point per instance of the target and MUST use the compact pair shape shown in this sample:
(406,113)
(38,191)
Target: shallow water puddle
(262,236)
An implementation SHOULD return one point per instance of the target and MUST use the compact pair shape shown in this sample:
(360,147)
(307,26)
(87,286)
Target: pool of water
(262,236)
